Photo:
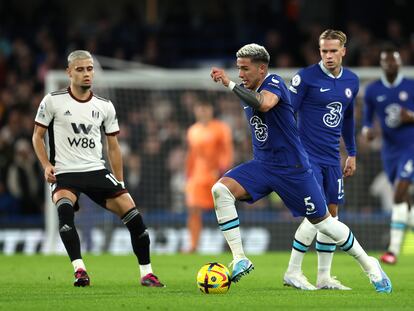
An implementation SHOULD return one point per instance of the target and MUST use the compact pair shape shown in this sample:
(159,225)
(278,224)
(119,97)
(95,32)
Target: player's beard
(85,87)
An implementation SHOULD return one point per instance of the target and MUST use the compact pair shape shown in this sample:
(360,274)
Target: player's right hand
(50,174)
(219,75)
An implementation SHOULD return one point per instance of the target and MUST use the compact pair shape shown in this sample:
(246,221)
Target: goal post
(154,111)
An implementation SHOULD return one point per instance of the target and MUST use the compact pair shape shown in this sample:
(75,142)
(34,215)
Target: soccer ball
(213,278)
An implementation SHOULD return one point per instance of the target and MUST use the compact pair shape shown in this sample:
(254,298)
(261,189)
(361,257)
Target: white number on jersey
(310,207)
(393,112)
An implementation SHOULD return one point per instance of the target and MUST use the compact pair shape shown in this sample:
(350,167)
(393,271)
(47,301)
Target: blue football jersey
(325,111)
(275,137)
(385,100)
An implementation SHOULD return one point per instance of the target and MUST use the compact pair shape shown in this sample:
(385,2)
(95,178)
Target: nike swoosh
(245,107)
(323,90)
(275,81)
(340,197)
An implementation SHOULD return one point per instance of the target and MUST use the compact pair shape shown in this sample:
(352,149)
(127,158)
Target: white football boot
(331,283)
(297,280)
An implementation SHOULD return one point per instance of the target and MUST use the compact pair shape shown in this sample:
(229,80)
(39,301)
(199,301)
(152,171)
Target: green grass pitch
(45,283)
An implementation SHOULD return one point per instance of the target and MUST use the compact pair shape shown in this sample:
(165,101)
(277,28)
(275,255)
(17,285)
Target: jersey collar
(396,83)
(268,74)
(328,73)
(77,99)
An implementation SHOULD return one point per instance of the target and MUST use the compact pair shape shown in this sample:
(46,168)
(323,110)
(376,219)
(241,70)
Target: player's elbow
(265,107)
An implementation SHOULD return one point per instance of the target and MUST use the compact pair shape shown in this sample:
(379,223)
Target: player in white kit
(74,119)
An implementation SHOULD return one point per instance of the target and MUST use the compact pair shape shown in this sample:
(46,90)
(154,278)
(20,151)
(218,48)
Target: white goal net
(154,109)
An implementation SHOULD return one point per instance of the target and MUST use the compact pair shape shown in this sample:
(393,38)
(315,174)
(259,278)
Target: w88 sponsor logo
(82,142)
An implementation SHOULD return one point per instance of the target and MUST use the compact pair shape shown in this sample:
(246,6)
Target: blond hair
(78,54)
(332,34)
(255,52)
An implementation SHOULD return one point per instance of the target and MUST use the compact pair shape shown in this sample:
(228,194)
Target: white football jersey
(74,129)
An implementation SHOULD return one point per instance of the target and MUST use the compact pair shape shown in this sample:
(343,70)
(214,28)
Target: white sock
(325,247)
(145,269)
(304,236)
(228,220)
(345,239)
(399,219)
(78,264)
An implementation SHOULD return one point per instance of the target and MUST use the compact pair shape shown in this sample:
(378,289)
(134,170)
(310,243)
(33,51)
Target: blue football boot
(384,284)
(240,268)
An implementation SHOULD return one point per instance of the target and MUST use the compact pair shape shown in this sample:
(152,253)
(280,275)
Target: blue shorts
(297,187)
(330,179)
(400,166)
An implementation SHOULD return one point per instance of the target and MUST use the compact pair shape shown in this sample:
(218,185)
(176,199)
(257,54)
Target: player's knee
(66,213)
(221,194)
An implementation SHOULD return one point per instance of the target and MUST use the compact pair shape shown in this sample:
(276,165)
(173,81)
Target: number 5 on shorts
(310,207)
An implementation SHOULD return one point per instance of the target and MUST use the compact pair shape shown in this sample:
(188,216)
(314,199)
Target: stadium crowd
(37,37)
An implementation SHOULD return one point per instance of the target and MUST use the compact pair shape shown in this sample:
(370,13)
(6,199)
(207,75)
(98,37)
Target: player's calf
(139,235)
(67,229)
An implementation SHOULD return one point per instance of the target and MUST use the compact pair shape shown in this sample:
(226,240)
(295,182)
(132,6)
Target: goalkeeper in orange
(209,155)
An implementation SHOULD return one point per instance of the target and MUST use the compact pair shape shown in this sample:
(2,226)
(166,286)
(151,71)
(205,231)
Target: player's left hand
(350,166)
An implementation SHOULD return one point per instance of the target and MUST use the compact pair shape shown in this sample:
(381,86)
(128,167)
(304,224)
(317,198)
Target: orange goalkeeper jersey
(210,154)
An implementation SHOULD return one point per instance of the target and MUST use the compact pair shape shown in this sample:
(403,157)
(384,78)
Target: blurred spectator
(154,185)
(133,174)
(23,179)
(177,181)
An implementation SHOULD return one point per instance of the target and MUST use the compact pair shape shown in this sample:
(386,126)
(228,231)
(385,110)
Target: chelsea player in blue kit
(391,98)
(323,96)
(280,164)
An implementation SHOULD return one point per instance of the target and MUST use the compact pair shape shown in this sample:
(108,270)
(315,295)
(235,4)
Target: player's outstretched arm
(40,150)
(263,101)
